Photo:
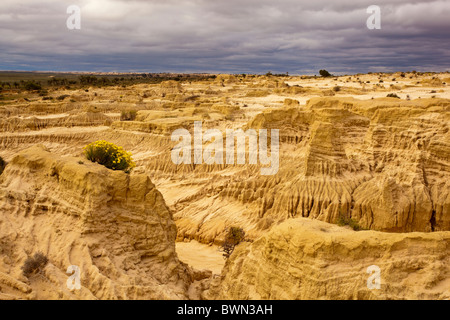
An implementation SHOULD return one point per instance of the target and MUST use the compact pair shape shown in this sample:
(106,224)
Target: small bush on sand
(62,97)
(257,94)
(109,155)
(128,115)
(393,95)
(34,264)
(343,221)
(234,236)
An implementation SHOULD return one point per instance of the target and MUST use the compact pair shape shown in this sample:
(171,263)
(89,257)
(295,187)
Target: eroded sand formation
(345,150)
(309,259)
(116,228)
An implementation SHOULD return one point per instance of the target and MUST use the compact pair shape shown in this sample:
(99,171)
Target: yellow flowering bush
(109,155)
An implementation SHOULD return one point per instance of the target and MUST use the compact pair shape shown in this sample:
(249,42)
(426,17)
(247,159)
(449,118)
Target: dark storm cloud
(225,36)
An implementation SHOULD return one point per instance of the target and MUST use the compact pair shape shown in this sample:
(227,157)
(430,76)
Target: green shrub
(109,155)
(35,263)
(32,86)
(234,236)
(393,95)
(128,115)
(324,73)
(344,221)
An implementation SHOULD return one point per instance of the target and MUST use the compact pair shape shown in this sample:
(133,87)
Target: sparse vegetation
(109,155)
(337,89)
(32,86)
(62,97)
(234,236)
(34,264)
(128,115)
(257,93)
(344,221)
(393,95)
(31,82)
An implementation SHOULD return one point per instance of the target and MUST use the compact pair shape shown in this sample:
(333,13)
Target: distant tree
(86,80)
(324,73)
(31,86)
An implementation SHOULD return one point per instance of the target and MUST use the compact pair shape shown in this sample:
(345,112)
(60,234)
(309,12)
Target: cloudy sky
(233,36)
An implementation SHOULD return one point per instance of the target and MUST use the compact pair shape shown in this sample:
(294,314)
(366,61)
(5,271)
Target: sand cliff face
(383,162)
(115,227)
(308,259)
(380,162)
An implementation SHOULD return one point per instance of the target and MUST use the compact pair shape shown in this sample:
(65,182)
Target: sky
(225,36)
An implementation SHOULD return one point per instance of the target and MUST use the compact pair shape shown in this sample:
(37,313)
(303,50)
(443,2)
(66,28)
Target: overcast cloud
(235,36)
